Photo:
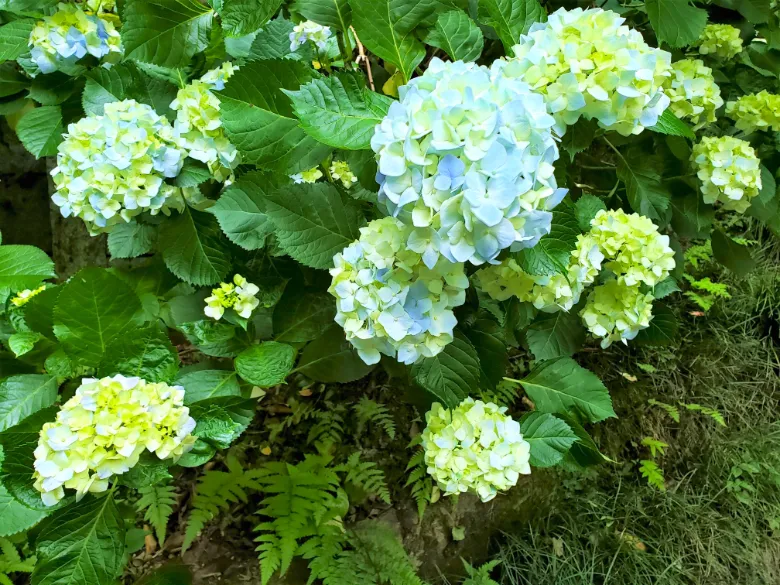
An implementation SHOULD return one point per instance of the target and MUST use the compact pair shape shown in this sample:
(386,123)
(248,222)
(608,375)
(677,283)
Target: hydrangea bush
(291,204)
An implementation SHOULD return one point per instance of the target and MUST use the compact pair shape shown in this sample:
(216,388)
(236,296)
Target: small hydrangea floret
(239,295)
(309,31)
(756,111)
(102,431)
(340,171)
(719,40)
(694,94)
(474,447)
(309,176)
(729,171)
(617,312)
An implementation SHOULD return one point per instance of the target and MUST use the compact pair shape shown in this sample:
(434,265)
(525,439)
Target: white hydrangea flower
(756,111)
(310,176)
(70,34)
(729,171)
(391,300)
(113,167)
(720,40)
(102,431)
(468,154)
(474,447)
(617,312)
(588,63)
(309,31)
(240,295)
(340,171)
(198,128)
(693,92)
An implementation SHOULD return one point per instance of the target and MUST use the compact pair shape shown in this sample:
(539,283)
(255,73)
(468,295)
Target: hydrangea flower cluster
(26,295)
(720,40)
(467,153)
(309,31)
(390,299)
(587,63)
(617,312)
(729,171)
(198,128)
(474,447)
(340,171)
(756,111)
(693,92)
(69,35)
(102,431)
(310,176)
(113,167)
(240,295)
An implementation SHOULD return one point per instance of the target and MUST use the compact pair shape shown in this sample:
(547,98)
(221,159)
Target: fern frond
(157,502)
(327,431)
(656,446)
(670,409)
(479,575)
(419,480)
(215,492)
(370,411)
(699,254)
(12,562)
(301,411)
(367,476)
(504,394)
(713,413)
(654,474)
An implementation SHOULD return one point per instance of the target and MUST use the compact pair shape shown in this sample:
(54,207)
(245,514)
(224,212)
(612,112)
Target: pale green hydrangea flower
(240,295)
(587,63)
(26,295)
(617,312)
(468,153)
(756,111)
(340,171)
(70,34)
(720,40)
(310,176)
(198,128)
(390,300)
(309,31)
(474,447)
(637,253)
(729,171)
(102,431)
(113,167)
(693,92)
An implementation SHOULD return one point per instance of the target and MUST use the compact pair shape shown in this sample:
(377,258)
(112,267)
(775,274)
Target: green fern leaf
(479,575)
(157,502)
(12,562)
(367,476)
(670,409)
(370,411)
(654,474)
(379,556)
(419,480)
(713,413)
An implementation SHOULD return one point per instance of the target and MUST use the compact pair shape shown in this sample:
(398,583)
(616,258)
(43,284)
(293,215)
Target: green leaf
(53,89)
(273,42)
(754,11)
(339,111)
(670,124)
(511,18)
(93,309)
(666,287)
(21,396)
(554,335)
(646,194)
(215,339)
(487,338)
(550,438)
(14,37)
(579,136)
(586,208)
(125,81)
(333,13)
(561,386)
(301,317)
(312,223)
(24,267)
(82,543)
(194,248)
(240,17)
(39,312)
(11,80)
(147,354)
(40,130)
(457,35)
(451,375)
(165,32)
(259,120)
(736,257)
(240,211)
(220,421)
(551,255)
(663,327)
(691,217)
(584,452)
(130,240)
(386,29)
(676,22)
(200,454)
(192,174)
(16,516)
(205,384)
(267,364)
(23,342)
(149,471)
(331,358)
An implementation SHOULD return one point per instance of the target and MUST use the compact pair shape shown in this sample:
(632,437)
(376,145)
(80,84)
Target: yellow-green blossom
(756,111)
(721,40)
(340,171)
(693,92)
(617,312)
(69,35)
(240,295)
(113,167)
(474,447)
(310,176)
(729,171)
(102,431)
(588,63)
(392,300)
(198,128)
(25,295)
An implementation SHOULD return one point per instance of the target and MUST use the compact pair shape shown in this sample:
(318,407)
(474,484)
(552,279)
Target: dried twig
(363,57)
